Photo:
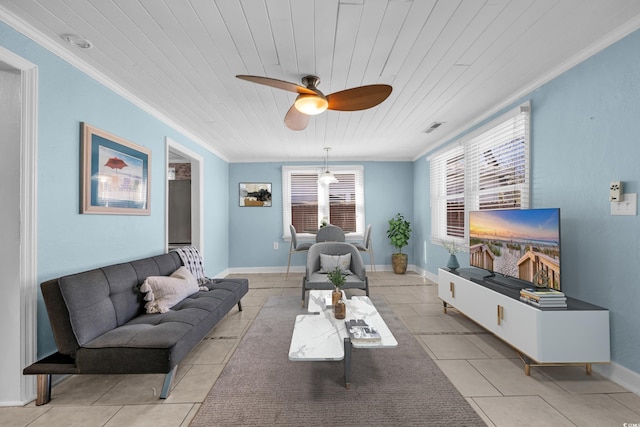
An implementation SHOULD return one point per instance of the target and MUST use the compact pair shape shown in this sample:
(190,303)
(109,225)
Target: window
(305,202)
(487,169)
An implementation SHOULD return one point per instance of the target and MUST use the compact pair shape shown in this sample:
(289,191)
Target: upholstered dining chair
(367,246)
(324,257)
(295,247)
(330,233)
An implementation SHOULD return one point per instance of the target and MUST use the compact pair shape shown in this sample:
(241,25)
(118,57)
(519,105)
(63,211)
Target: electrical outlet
(275,245)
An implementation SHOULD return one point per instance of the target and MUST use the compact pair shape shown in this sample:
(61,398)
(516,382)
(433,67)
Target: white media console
(578,334)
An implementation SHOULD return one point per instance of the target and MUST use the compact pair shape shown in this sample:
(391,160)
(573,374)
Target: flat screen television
(523,244)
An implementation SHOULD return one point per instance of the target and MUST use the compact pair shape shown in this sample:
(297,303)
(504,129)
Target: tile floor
(485,370)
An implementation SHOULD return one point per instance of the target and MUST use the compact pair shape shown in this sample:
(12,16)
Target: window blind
(305,202)
(342,202)
(488,169)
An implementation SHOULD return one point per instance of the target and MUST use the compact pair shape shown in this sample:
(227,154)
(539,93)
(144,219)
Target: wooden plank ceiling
(451,61)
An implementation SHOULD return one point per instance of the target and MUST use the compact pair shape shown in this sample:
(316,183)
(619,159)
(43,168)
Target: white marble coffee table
(319,336)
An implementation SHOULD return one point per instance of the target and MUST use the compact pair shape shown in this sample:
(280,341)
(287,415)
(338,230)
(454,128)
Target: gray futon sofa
(101,327)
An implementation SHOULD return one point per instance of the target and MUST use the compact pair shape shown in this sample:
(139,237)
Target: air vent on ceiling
(434,126)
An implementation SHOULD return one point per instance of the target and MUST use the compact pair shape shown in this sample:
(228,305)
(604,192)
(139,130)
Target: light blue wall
(69,242)
(388,190)
(584,133)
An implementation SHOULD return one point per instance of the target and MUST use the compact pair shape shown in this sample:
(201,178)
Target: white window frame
(468,146)
(323,197)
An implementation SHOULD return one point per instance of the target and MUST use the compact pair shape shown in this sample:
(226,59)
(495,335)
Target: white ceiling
(448,61)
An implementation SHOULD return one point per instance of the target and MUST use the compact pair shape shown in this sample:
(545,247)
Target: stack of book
(360,331)
(543,297)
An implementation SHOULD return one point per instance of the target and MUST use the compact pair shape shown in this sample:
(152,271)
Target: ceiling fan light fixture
(311,104)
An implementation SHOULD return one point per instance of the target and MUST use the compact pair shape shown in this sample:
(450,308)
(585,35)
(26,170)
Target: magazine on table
(360,331)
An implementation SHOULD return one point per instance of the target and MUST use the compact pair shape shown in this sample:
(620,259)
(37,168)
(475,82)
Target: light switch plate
(628,205)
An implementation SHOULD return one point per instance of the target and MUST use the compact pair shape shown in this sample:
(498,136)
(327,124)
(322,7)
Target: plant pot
(399,263)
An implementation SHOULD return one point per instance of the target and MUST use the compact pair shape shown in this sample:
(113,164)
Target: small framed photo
(116,174)
(255,194)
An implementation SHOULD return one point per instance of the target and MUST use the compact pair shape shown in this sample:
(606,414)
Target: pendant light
(327,177)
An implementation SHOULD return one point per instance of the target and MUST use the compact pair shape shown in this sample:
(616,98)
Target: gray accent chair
(330,233)
(367,246)
(295,247)
(313,279)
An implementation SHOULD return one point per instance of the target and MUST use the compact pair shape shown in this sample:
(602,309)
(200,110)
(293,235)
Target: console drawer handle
(452,289)
(500,313)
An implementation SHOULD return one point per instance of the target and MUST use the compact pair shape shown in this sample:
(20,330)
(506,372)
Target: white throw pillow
(329,263)
(163,292)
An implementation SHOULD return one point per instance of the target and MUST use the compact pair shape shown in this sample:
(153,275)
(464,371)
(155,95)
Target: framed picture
(116,174)
(255,194)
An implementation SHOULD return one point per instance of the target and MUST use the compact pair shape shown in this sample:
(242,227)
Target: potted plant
(399,233)
(338,279)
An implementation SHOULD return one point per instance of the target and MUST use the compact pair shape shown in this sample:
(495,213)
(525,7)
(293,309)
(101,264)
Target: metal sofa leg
(168,380)
(239,306)
(43,389)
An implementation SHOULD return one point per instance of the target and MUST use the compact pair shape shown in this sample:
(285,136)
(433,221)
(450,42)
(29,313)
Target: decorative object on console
(399,233)
(116,174)
(453,248)
(453,264)
(543,297)
(255,194)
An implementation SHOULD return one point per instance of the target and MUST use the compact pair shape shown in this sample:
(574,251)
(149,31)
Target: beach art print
(115,177)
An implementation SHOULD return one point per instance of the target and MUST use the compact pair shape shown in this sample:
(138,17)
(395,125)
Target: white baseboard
(301,268)
(620,375)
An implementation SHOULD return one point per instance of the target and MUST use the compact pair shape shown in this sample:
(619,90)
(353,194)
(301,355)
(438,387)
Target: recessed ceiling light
(78,41)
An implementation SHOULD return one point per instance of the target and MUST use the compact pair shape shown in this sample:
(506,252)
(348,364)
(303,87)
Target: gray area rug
(260,386)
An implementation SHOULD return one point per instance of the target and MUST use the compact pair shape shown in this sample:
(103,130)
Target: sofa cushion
(91,311)
(163,292)
(328,263)
(157,342)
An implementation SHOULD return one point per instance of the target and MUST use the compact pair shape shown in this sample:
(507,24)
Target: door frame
(197,194)
(28,271)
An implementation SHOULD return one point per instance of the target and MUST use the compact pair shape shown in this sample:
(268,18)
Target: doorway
(18,262)
(184,200)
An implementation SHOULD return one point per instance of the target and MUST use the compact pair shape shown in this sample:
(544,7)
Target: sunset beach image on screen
(516,243)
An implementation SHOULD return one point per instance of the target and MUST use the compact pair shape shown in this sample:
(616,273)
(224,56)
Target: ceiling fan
(311,101)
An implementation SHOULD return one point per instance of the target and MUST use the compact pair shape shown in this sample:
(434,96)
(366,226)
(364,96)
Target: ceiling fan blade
(358,98)
(280,84)
(295,120)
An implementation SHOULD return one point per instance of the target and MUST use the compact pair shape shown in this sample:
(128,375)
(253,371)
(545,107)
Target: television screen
(520,243)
